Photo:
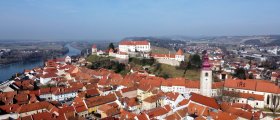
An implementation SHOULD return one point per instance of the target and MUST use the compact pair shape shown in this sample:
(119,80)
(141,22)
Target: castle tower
(94,49)
(206,78)
(179,56)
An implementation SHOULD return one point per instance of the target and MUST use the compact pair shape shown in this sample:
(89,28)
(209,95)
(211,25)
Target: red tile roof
(184,102)
(43,116)
(159,111)
(125,115)
(143,116)
(194,108)
(207,101)
(129,89)
(36,106)
(172,95)
(131,102)
(99,100)
(179,52)
(9,108)
(92,92)
(153,98)
(174,82)
(255,85)
(94,46)
(236,109)
(128,42)
(79,105)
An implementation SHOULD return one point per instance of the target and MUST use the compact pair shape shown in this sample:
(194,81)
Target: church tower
(206,78)
(94,49)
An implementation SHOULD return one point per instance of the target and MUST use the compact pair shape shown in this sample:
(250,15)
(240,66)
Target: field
(171,71)
(95,58)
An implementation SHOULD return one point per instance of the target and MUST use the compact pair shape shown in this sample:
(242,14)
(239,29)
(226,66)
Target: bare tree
(230,96)
(275,103)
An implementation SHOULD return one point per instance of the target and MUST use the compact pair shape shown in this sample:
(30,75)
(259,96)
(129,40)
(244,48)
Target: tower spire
(206,65)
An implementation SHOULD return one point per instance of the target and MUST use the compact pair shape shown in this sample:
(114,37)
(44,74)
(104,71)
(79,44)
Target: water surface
(6,71)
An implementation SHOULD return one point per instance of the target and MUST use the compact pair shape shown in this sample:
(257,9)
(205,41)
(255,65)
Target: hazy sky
(115,19)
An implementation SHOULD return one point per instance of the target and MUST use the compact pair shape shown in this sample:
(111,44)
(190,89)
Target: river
(6,71)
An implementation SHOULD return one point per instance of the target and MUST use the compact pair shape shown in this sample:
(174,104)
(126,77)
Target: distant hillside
(274,43)
(253,42)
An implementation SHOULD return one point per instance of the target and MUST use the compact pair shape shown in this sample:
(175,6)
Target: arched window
(206,74)
(267,99)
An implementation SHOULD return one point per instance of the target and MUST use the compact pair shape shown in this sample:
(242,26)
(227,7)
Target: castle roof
(179,52)
(129,42)
(94,46)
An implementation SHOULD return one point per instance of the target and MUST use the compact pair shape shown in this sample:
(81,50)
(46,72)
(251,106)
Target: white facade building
(134,46)
(257,93)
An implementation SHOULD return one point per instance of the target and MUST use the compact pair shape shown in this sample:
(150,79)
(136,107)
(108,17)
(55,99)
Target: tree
(275,103)
(196,60)
(111,46)
(164,75)
(251,76)
(119,67)
(240,73)
(230,96)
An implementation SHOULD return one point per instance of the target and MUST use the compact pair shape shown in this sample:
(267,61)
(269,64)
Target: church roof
(206,65)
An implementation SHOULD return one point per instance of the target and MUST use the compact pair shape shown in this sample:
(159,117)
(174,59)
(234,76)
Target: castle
(128,48)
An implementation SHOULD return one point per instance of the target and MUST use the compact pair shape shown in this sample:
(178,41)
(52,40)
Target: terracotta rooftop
(179,52)
(255,85)
(128,42)
(152,99)
(35,106)
(207,101)
(172,95)
(159,111)
(99,100)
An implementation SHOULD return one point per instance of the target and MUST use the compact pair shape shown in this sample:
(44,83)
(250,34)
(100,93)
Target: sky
(116,19)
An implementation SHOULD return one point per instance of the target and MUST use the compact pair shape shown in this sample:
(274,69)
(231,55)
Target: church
(205,86)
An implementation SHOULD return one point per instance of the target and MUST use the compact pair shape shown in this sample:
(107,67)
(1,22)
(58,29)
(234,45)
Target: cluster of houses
(128,48)
(63,91)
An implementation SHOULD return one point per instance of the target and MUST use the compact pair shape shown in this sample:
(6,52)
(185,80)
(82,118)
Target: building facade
(134,46)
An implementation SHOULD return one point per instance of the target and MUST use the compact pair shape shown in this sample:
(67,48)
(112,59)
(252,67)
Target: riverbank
(28,55)
(8,70)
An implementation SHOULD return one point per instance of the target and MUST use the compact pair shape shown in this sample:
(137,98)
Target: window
(256,103)
(206,74)
(267,99)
